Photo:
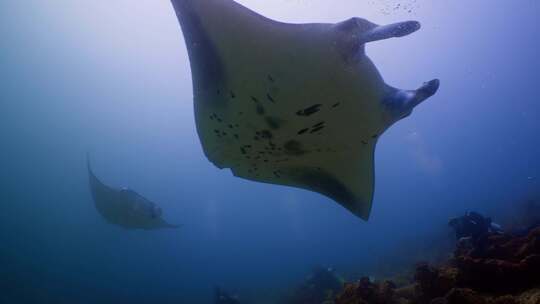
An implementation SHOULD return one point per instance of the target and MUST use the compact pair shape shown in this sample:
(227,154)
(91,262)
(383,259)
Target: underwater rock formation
(366,292)
(501,263)
(434,282)
(497,269)
(320,287)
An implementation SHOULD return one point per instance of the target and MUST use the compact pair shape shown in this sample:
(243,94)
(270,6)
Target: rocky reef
(320,287)
(495,269)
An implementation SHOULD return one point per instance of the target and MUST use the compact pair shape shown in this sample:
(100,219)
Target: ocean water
(112,78)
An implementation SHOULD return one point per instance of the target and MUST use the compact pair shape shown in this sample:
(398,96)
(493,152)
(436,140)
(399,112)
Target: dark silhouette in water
(125,207)
(527,218)
(473,225)
(222,297)
(322,285)
(532,214)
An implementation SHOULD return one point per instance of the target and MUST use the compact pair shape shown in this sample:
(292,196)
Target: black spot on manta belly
(316,129)
(303,131)
(272,122)
(260,109)
(293,147)
(309,110)
(266,134)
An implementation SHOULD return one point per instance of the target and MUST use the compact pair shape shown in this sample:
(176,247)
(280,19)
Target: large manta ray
(125,207)
(292,104)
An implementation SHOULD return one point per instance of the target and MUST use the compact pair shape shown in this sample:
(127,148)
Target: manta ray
(299,105)
(125,207)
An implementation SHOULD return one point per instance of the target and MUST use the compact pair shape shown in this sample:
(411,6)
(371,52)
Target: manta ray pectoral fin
(400,103)
(350,183)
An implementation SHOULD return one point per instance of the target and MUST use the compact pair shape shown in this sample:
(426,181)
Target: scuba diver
(473,226)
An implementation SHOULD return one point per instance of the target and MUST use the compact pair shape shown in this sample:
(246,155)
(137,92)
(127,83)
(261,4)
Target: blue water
(113,78)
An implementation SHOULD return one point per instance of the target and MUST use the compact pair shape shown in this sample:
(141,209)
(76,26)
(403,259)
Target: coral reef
(501,263)
(366,292)
(495,269)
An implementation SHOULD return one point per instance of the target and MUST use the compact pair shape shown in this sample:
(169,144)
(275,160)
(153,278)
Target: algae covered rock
(365,291)
(497,269)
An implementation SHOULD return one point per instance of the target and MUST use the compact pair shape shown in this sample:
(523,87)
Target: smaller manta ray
(125,207)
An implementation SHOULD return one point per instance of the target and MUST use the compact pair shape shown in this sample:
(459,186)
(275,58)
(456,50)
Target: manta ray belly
(292,104)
